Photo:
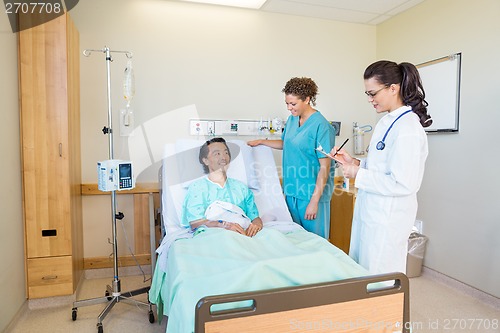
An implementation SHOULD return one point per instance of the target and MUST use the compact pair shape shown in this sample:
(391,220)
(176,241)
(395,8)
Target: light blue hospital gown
(301,167)
(203,192)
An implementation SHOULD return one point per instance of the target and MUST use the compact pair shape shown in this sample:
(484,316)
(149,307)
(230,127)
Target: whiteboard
(441,81)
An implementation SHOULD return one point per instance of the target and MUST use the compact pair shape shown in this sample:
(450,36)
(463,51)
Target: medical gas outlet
(198,127)
(211,127)
(358,133)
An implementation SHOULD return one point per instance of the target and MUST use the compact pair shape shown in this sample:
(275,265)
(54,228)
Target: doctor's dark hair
(204,151)
(302,87)
(406,75)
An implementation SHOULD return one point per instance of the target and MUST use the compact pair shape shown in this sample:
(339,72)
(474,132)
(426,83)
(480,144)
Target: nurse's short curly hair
(302,87)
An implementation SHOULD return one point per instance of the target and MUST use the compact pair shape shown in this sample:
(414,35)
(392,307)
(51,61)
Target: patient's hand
(234,227)
(254,227)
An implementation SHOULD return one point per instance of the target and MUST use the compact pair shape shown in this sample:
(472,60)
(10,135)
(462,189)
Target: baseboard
(17,317)
(48,302)
(460,286)
(122,271)
(123,261)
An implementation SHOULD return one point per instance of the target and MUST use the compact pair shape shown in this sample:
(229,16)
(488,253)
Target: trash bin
(416,253)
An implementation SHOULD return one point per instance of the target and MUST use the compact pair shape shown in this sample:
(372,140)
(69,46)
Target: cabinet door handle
(49,277)
(60,150)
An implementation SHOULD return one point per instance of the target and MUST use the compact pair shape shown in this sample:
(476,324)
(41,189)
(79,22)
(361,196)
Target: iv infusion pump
(115,175)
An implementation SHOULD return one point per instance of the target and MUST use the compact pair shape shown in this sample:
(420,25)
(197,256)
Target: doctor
(389,178)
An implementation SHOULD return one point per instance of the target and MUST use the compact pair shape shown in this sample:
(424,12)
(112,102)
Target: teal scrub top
(204,192)
(301,159)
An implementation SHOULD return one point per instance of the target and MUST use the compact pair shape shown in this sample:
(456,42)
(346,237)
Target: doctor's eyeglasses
(373,94)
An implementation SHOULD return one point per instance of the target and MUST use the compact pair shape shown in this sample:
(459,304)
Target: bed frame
(352,305)
(355,305)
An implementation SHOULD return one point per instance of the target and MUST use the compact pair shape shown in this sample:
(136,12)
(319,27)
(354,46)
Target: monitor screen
(125,170)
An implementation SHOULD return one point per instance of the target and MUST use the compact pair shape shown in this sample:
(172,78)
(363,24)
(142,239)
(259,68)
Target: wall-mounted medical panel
(219,127)
(213,127)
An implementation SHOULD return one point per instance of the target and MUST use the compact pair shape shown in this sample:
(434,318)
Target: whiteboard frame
(457,57)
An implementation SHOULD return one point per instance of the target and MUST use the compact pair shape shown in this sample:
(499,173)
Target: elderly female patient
(217,201)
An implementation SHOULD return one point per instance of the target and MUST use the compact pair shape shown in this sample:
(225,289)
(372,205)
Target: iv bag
(129,82)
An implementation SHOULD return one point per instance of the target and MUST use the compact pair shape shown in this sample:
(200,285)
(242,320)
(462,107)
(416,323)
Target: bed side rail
(377,303)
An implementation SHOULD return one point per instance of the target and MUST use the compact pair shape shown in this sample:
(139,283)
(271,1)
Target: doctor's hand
(341,156)
(350,170)
(254,227)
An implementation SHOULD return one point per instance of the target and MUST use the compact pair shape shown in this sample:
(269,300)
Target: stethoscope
(381,144)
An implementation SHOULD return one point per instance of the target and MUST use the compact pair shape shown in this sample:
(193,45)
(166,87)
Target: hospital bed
(284,279)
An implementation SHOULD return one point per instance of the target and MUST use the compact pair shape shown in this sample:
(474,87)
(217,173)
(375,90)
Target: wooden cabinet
(341,213)
(50,276)
(49,76)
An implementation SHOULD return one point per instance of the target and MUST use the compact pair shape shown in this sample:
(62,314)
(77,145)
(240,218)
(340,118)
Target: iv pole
(113,294)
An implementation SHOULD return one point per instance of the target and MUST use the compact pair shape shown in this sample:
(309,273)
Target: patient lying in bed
(217,201)
(213,261)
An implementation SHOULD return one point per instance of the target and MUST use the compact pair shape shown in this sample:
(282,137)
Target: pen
(342,145)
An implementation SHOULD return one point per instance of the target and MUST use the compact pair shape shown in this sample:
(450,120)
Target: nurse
(390,176)
(307,174)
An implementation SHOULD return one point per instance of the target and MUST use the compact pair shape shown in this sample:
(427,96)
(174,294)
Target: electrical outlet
(211,127)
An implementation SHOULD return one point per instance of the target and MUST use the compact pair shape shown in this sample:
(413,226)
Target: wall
(233,63)
(459,195)
(12,280)
(230,63)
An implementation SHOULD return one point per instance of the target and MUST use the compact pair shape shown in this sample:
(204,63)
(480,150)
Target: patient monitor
(115,175)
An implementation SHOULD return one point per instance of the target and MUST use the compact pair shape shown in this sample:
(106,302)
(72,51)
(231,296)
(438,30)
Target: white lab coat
(386,203)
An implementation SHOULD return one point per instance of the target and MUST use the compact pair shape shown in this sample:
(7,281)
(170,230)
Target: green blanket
(217,261)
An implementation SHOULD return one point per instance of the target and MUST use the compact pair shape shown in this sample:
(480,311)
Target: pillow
(241,167)
(186,158)
(246,152)
(173,193)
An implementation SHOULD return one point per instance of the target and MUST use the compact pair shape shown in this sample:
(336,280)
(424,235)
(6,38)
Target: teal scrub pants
(320,225)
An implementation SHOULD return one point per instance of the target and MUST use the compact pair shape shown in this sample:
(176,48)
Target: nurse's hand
(311,210)
(254,143)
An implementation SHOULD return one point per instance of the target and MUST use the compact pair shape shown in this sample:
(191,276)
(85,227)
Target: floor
(434,305)
(123,317)
(438,305)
